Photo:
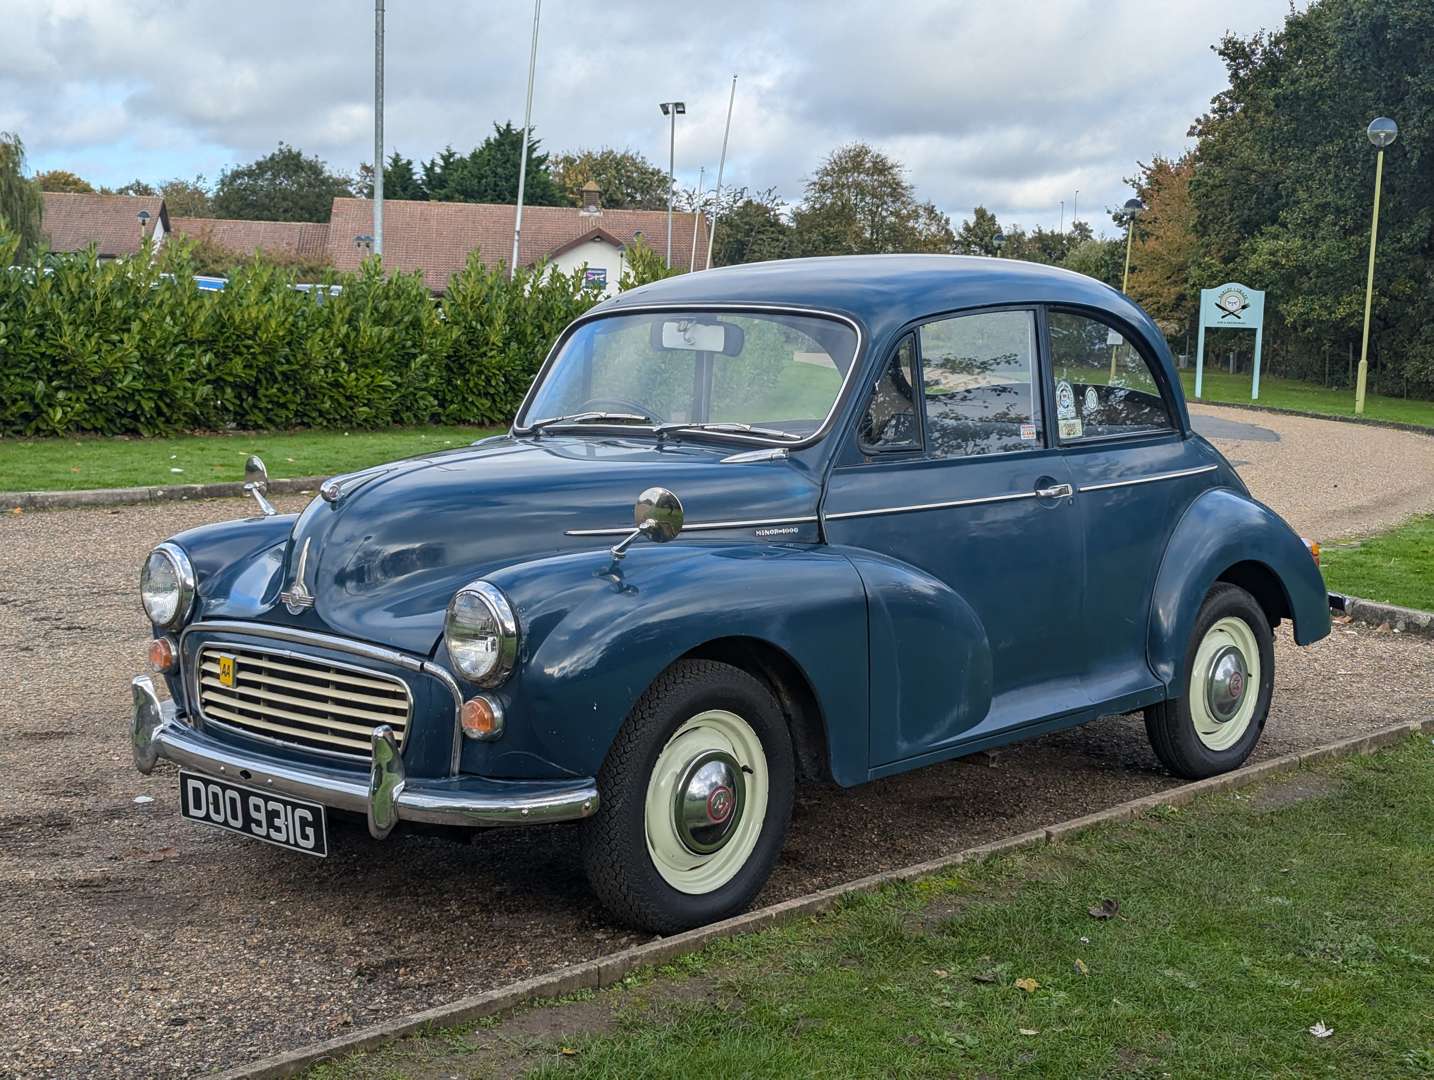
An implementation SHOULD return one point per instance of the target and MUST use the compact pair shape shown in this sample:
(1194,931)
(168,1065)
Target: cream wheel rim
(706,801)
(1225,683)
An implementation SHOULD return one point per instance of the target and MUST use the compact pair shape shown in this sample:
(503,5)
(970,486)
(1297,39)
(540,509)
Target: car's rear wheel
(695,797)
(1228,680)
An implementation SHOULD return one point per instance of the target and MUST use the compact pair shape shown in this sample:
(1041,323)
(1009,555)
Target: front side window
(979,384)
(1104,386)
(777,373)
(889,422)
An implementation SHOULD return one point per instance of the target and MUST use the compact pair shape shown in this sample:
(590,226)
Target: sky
(1011,104)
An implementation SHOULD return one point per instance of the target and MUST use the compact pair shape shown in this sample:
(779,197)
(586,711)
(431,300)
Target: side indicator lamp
(481,717)
(1312,546)
(163,655)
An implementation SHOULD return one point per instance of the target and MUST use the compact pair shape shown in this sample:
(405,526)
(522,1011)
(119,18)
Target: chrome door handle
(1060,491)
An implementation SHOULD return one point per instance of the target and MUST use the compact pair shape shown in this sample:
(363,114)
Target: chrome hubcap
(708,802)
(1226,684)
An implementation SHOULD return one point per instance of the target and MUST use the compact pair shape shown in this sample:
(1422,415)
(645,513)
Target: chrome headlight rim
(503,615)
(183,575)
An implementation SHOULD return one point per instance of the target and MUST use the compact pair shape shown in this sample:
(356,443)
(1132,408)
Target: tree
(978,235)
(1098,257)
(134,187)
(627,180)
(859,201)
(63,180)
(187,198)
(21,202)
(1164,246)
(400,180)
(1283,178)
(283,186)
(489,173)
(753,230)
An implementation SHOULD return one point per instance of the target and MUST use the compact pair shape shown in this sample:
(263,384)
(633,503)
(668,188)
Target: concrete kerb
(1401,620)
(1248,406)
(62,500)
(609,970)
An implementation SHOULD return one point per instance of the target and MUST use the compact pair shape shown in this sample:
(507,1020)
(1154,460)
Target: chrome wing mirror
(256,483)
(656,515)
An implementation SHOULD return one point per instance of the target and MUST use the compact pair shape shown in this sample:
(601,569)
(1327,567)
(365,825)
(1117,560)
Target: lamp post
(1075,209)
(364,242)
(998,241)
(378,127)
(523,151)
(672,110)
(721,164)
(1381,131)
(1132,208)
(143,216)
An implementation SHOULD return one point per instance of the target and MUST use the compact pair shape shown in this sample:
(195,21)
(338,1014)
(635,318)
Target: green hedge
(134,346)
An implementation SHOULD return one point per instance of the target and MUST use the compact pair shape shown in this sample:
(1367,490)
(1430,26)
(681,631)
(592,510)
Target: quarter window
(1103,384)
(979,384)
(890,420)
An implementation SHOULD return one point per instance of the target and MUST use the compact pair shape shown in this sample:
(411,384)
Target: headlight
(481,633)
(166,586)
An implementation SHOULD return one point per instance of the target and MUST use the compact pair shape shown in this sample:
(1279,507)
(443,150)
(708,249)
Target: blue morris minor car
(889,510)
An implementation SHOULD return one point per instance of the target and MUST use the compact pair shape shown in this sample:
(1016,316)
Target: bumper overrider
(389,795)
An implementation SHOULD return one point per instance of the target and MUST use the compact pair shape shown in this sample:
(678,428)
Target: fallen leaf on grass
(1028,985)
(1319,1031)
(1028,1031)
(940,973)
(1105,909)
(1081,968)
(568,1051)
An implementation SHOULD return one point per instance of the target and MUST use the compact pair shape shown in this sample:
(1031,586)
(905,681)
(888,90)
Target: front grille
(300,700)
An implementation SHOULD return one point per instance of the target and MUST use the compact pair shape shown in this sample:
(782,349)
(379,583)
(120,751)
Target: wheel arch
(792,688)
(1261,582)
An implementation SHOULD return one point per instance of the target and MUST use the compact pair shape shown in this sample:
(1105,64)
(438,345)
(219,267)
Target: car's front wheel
(1229,678)
(695,797)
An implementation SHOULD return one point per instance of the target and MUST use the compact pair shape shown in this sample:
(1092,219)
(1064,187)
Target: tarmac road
(137,944)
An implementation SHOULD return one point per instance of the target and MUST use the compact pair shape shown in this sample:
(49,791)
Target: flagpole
(523,150)
(721,164)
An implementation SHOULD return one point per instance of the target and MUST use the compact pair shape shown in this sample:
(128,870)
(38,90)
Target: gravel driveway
(138,945)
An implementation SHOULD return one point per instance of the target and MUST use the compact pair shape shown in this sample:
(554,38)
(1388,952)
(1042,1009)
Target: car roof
(887,291)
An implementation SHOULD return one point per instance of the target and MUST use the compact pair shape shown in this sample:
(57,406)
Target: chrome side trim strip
(930,506)
(1149,479)
(703,526)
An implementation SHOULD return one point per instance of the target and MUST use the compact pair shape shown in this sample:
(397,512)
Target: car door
(1135,472)
(963,511)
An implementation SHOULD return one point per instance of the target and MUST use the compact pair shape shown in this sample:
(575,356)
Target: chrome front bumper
(387,797)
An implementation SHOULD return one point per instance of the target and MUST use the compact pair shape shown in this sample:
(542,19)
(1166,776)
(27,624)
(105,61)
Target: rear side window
(890,419)
(979,384)
(1103,384)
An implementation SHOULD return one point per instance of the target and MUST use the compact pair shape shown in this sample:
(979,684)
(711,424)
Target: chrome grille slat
(309,703)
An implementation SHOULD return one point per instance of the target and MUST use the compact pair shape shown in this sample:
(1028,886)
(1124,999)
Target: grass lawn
(1277,393)
(1244,920)
(1396,567)
(62,464)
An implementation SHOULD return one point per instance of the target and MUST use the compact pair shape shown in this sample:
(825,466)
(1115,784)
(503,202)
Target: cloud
(1012,104)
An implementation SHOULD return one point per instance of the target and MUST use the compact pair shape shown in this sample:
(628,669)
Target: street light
(377,239)
(1381,131)
(998,241)
(671,109)
(364,242)
(1132,208)
(143,216)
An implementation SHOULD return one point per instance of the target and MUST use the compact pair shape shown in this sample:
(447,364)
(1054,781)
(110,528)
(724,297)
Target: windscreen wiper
(727,426)
(593,416)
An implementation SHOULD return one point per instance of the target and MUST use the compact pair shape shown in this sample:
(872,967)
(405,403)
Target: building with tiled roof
(286,239)
(114,224)
(436,237)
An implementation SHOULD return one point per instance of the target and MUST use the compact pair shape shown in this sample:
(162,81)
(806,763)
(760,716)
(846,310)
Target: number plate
(275,819)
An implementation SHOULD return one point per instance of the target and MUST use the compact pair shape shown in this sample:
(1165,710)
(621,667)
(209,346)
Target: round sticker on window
(1065,401)
(1092,399)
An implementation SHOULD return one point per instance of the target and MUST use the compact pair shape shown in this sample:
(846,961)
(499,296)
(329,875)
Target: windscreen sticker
(1065,401)
(1092,399)
(1070,429)
(1028,432)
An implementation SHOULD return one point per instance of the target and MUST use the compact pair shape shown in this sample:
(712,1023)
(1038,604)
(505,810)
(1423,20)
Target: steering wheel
(599,404)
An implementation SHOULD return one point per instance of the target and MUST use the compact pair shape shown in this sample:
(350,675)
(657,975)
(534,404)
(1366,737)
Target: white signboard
(1230,307)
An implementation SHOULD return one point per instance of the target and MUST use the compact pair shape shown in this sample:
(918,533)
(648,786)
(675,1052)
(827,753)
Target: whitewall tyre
(696,794)
(1227,680)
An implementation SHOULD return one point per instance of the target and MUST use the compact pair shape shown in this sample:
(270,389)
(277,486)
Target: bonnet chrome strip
(1149,479)
(703,526)
(914,507)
